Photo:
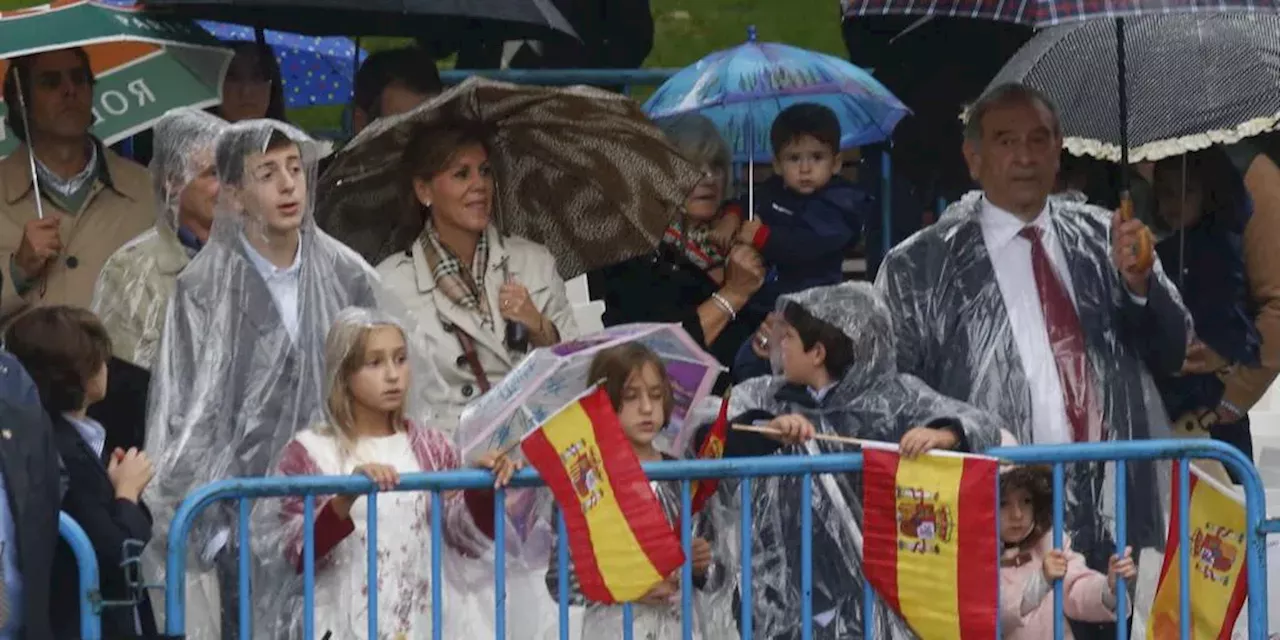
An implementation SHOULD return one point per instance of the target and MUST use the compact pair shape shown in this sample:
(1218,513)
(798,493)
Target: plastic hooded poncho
(954,332)
(232,383)
(404,518)
(137,281)
(872,401)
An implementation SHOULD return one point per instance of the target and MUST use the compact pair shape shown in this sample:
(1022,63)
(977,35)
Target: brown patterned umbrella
(578,169)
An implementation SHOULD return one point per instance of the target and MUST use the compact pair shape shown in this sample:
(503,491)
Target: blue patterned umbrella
(742,90)
(316,70)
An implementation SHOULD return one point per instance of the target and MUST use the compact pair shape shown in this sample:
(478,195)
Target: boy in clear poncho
(135,285)
(839,377)
(240,366)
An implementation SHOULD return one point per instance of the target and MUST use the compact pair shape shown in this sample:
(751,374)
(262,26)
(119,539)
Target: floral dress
(403,535)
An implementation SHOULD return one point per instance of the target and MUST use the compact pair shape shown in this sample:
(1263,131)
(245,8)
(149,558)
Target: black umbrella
(497,19)
(1193,80)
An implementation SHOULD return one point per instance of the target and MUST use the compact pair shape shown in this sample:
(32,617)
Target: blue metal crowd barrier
(87,564)
(684,471)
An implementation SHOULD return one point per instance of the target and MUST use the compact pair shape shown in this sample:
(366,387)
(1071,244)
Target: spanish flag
(712,449)
(619,537)
(1217,539)
(930,542)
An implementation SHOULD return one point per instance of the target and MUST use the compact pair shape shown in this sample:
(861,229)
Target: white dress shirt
(91,431)
(1011,259)
(282,283)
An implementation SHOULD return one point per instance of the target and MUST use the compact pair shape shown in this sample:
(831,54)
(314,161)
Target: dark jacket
(805,237)
(1208,269)
(29,462)
(665,287)
(109,522)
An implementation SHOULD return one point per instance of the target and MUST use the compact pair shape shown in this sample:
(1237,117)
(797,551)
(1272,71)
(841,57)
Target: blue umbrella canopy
(743,89)
(316,71)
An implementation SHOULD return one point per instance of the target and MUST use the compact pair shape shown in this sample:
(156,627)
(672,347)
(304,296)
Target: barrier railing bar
(371,562)
(745,544)
(1122,537)
(500,562)
(1184,557)
(746,468)
(686,570)
(628,622)
(806,560)
(242,560)
(437,573)
(87,565)
(562,569)
(564,76)
(308,568)
(1059,498)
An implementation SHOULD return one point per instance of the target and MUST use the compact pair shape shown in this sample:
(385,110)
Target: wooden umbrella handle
(1144,249)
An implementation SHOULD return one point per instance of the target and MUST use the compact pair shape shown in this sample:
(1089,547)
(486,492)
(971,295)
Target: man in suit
(1039,310)
(30,492)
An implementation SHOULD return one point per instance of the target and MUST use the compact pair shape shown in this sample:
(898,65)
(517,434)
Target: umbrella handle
(1143,247)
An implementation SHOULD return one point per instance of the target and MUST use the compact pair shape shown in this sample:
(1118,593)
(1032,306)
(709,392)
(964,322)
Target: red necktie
(1066,338)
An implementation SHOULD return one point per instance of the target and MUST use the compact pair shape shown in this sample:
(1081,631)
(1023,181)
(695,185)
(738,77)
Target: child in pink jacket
(1030,565)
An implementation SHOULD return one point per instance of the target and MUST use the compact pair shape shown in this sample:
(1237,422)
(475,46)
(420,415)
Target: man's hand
(41,243)
(663,592)
(791,429)
(922,439)
(1131,248)
(1054,565)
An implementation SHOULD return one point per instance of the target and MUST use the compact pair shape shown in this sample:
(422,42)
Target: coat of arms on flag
(930,540)
(583,463)
(1216,534)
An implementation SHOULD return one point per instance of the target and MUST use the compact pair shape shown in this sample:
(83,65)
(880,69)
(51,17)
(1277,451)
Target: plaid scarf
(463,285)
(694,241)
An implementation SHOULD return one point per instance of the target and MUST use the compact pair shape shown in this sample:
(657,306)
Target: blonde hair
(613,366)
(343,355)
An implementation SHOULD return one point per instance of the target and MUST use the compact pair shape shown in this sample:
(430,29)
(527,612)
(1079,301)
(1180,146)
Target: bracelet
(724,305)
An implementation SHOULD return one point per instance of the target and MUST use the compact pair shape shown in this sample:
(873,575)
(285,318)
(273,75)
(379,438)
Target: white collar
(1000,226)
(819,394)
(266,268)
(90,430)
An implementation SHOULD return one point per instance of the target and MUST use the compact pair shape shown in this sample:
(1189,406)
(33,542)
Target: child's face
(798,365)
(806,164)
(380,380)
(1017,515)
(641,410)
(274,192)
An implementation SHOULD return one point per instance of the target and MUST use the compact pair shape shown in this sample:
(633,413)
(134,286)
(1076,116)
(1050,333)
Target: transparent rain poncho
(404,518)
(872,401)
(136,283)
(234,379)
(953,330)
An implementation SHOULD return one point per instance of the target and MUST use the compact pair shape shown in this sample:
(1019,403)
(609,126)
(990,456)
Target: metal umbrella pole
(31,150)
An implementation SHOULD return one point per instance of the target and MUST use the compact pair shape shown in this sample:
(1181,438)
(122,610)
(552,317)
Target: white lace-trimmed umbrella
(1193,80)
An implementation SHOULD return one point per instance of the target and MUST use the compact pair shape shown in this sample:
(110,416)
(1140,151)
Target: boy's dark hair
(22,67)
(811,330)
(62,348)
(409,66)
(805,119)
(229,154)
(611,367)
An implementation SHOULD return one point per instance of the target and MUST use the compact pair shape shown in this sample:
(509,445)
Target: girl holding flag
(636,381)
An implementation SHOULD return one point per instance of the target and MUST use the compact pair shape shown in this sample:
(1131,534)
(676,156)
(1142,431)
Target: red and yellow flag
(619,537)
(1217,583)
(712,449)
(930,542)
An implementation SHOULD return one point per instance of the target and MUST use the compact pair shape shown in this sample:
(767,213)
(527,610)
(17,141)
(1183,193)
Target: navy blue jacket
(806,237)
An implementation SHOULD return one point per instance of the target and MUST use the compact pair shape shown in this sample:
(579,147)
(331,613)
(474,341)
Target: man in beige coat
(137,282)
(93,200)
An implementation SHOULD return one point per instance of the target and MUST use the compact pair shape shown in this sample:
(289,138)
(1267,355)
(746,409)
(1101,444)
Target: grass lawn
(686,30)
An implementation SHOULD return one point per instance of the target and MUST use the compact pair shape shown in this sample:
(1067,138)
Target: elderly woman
(688,279)
(481,298)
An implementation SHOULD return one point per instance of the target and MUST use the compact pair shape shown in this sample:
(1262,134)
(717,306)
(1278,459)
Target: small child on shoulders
(640,391)
(1030,565)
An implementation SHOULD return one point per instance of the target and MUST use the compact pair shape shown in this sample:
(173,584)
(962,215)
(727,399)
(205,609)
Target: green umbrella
(144,64)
